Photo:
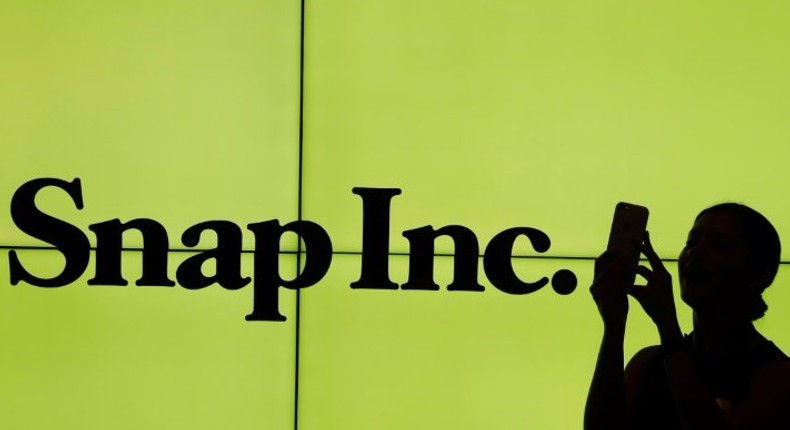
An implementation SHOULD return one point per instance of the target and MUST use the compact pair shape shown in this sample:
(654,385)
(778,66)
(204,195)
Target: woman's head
(731,256)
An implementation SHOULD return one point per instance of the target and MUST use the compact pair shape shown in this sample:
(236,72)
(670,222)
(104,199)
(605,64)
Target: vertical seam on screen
(299,211)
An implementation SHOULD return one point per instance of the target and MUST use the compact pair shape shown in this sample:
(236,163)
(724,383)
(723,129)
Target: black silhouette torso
(727,374)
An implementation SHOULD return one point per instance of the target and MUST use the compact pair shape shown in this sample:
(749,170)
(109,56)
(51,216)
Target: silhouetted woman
(724,375)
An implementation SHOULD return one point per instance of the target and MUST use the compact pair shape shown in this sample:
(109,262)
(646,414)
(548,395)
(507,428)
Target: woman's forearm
(605,408)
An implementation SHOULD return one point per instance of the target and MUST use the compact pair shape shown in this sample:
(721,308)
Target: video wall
(485,115)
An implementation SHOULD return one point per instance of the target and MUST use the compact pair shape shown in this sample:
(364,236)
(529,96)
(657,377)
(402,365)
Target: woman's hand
(656,296)
(609,289)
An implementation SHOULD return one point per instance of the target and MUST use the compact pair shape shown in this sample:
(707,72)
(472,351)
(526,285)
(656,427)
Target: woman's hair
(764,247)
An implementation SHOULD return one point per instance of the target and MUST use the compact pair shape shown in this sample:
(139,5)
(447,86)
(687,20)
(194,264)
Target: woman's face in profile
(715,262)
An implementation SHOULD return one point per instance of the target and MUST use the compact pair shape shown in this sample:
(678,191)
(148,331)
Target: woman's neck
(721,331)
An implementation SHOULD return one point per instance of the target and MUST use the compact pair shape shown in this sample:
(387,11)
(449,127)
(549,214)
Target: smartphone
(628,230)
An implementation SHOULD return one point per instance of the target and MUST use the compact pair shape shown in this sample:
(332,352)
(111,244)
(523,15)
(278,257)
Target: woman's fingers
(637,291)
(604,260)
(650,253)
(642,297)
(607,270)
(644,272)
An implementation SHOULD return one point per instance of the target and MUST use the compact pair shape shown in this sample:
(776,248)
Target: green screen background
(486,114)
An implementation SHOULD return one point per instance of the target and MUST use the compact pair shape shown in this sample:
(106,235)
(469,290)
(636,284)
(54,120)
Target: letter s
(68,239)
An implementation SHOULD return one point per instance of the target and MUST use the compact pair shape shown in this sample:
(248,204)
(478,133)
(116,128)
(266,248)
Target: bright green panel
(176,110)
(463,360)
(425,359)
(97,357)
(545,113)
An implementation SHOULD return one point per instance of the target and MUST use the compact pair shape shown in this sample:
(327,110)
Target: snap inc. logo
(374,271)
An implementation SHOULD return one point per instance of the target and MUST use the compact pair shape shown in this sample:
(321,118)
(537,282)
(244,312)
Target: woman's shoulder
(776,373)
(648,352)
(767,404)
(771,366)
(644,367)
(647,393)
(644,357)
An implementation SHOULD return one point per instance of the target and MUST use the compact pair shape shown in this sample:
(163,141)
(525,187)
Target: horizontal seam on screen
(287,252)
(291,252)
